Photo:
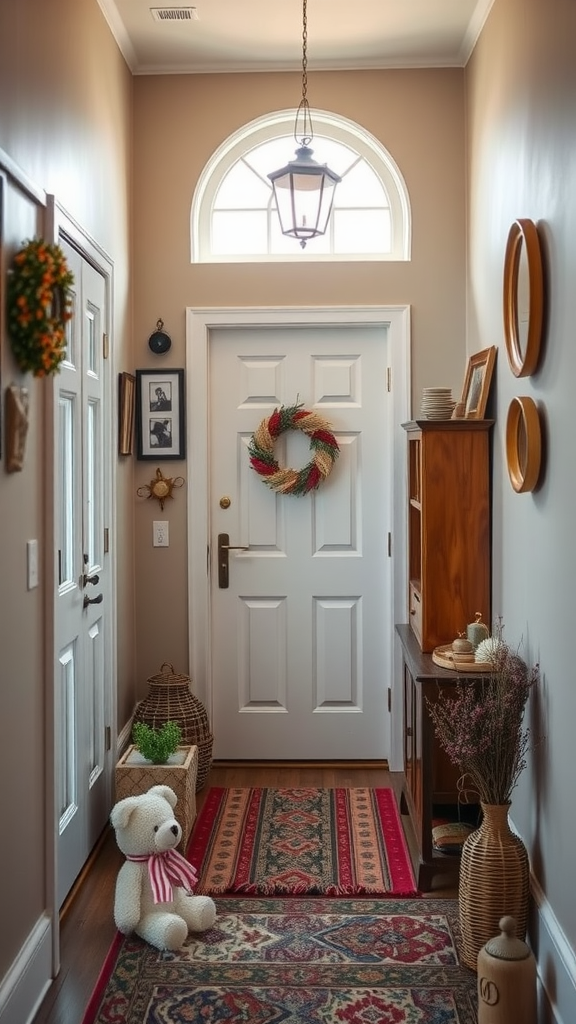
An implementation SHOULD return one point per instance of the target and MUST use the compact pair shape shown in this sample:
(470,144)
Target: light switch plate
(160,534)
(32,563)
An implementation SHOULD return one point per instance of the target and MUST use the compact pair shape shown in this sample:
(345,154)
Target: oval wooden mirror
(523,297)
(523,444)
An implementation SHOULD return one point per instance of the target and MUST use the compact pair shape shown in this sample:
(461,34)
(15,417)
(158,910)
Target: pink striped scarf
(164,870)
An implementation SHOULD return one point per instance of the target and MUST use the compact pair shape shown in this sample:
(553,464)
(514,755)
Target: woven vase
(494,882)
(170,699)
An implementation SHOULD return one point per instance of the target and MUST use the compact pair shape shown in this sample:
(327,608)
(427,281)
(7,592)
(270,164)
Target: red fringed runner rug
(297,961)
(323,842)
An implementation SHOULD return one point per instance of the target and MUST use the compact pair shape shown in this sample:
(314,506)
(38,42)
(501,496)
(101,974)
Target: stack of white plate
(437,403)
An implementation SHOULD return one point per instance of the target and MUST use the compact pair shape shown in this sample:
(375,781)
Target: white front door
(299,656)
(83,584)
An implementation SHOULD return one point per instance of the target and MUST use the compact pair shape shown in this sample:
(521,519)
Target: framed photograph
(477,383)
(160,414)
(126,408)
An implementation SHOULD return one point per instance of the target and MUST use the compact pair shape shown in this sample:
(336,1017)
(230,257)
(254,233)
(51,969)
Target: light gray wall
(521,140)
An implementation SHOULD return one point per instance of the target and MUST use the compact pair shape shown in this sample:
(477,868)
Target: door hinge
(106,540)
(390,699)
(389,545)
(107,738)
(388,378)
(106,347)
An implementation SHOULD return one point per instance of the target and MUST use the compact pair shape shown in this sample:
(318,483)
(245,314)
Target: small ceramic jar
(477,631)
(461,645)
(462,650)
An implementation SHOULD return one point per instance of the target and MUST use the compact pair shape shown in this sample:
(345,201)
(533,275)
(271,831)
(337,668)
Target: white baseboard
(30,976)
(124,738)
(556,962)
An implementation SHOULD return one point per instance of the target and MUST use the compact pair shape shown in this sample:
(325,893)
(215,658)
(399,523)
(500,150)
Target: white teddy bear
(154,886)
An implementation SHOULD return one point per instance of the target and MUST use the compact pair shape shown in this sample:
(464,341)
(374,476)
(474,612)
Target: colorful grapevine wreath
(39,306)
(322,443)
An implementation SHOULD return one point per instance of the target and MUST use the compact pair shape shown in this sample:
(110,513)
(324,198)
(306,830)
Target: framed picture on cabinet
(477,383)
(160,414)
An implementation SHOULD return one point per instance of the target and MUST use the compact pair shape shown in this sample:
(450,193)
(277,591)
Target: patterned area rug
(297,961)
(327,842)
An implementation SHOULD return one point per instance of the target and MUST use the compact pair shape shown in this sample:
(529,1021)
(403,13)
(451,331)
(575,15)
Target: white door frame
(199,323)
(60,223)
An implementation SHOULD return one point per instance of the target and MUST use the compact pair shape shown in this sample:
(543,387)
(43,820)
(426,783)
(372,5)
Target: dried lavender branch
(480,726)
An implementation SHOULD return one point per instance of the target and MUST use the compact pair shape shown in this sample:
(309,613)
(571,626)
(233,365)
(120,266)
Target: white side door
(83,584)
(301,640)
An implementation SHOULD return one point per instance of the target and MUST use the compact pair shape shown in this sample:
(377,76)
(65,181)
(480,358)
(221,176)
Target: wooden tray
(445,657)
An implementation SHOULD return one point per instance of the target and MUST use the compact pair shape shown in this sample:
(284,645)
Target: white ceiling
(264,35)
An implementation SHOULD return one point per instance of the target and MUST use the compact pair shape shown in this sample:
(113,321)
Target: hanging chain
(303,113)
(304,53)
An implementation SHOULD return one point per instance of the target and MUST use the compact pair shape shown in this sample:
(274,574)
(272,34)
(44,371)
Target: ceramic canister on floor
(506,979)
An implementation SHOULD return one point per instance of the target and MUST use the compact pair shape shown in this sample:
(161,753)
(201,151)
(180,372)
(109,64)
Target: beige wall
(65,121)
(521,88)
(178,123)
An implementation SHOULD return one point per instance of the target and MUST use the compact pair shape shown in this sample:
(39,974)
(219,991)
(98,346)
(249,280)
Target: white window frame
(270,126)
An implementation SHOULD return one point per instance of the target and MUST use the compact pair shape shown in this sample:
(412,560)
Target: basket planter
(170,699)
(135,775)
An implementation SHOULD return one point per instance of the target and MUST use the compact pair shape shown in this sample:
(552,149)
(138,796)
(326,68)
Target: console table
(429,787)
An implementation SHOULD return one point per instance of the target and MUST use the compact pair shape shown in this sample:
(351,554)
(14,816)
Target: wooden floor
(87,924)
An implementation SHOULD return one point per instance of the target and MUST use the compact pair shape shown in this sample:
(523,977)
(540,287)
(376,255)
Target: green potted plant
(157,745)
(156,758)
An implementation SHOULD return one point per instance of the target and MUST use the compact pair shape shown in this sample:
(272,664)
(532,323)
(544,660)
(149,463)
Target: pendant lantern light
(304,189)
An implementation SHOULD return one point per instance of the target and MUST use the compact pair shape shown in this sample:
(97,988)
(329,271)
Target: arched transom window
(234,218)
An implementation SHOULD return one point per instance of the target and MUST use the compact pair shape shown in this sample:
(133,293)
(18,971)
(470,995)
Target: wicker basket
(170,699)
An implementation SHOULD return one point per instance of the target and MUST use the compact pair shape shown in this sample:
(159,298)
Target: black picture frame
(160,415)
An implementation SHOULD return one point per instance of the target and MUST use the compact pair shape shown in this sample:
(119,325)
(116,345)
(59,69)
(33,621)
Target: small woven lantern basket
(170,699)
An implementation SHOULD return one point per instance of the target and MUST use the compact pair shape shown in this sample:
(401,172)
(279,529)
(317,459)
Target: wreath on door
(323,444)
(39,306)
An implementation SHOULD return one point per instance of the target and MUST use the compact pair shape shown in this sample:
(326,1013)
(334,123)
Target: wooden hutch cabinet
(448,527)
(449,578)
